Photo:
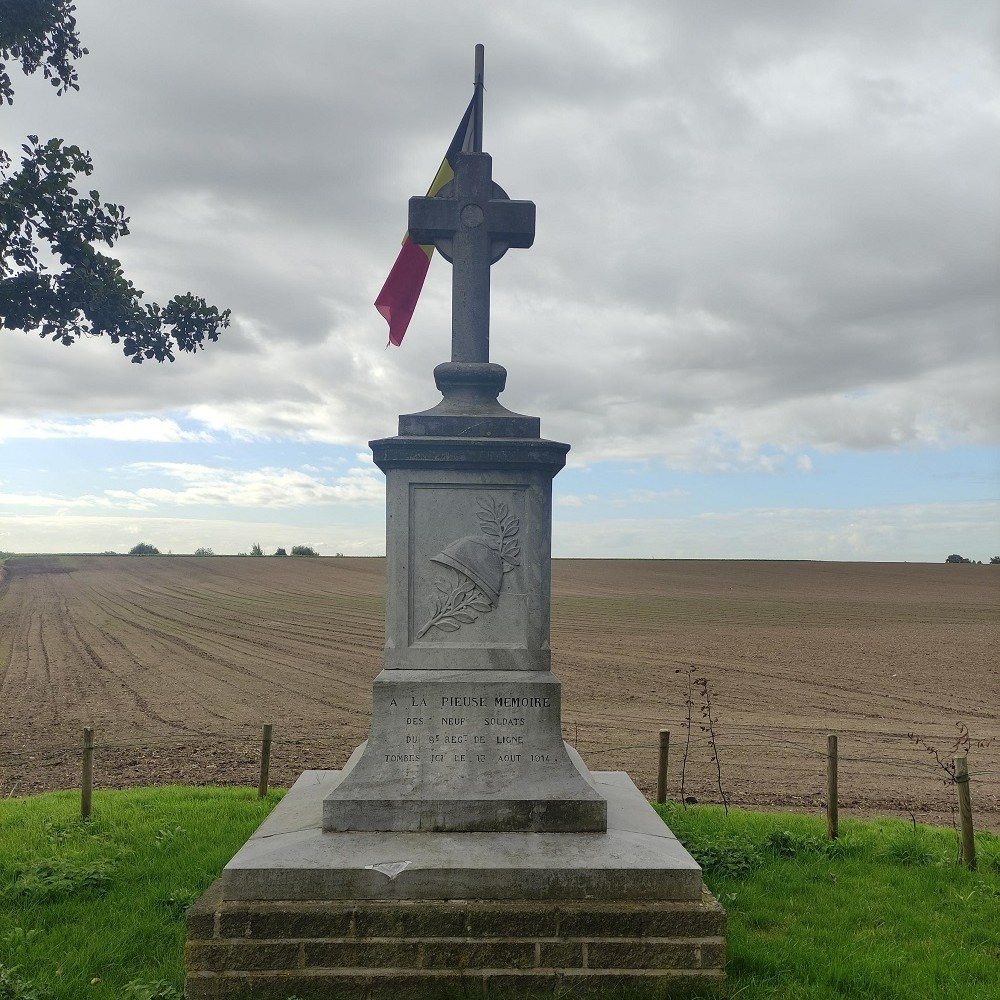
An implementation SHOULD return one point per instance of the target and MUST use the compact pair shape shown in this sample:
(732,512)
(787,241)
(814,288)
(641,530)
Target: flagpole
(477,116)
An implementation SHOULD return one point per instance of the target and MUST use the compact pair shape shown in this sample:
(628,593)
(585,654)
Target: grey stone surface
(432,949)
(441,617)
(291,857)
(470,408)
(465,750)
(469,483)
(472,223)
(467,454)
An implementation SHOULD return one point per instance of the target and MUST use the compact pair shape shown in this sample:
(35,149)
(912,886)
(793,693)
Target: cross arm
(512,222)
(432,219)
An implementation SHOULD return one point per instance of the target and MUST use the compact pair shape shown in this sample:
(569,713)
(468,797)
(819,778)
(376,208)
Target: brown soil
(177,661)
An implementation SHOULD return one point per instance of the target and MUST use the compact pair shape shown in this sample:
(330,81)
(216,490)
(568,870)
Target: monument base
(463,751)
(313,914)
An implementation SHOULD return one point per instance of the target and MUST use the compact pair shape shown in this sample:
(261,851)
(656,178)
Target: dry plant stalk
(961,744)
(707,725)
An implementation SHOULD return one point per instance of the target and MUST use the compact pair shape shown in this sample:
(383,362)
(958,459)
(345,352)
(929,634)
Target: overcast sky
(761,304)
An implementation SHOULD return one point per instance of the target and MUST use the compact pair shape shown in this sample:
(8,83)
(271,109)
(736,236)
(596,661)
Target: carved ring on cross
(471,219)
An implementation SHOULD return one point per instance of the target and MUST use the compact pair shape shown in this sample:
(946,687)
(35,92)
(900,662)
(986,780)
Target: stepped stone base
(290,856)
(303,912)
(272,950)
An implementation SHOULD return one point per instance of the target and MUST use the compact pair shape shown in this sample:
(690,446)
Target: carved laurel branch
(463,602)
(500,526)
(459,606)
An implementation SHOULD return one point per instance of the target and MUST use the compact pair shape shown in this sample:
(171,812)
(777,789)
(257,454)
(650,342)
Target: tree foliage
(956,558)
(143,549)
(39,33)
(304,550)
(52,279)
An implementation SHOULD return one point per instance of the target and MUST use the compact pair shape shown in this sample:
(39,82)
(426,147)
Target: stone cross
(472,223)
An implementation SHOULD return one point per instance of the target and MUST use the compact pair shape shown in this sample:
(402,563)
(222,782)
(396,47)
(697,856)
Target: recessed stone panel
(472,573)
(468,560)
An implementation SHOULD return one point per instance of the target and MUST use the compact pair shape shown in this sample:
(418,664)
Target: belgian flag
(399,294)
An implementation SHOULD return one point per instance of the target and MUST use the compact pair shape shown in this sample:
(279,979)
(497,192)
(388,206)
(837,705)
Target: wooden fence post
(832,816)
(965,812)
(661,774)
(265,761)
(88,772)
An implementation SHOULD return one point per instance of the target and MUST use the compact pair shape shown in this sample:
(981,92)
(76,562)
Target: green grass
(105,900)
(96,909)
(884,912)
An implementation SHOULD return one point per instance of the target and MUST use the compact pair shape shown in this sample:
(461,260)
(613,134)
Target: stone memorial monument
(464,844)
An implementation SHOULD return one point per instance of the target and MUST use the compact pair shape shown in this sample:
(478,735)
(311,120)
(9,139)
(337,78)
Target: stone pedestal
(303,912)
(466,731)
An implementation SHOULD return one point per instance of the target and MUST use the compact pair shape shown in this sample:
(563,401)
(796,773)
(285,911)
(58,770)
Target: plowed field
(177,661)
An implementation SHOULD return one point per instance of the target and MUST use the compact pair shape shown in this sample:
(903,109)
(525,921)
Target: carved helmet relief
(475,558)
(480,563)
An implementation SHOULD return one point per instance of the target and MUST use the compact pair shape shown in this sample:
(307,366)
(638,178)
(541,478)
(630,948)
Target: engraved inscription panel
(465,753)
(494,731)
(469,738)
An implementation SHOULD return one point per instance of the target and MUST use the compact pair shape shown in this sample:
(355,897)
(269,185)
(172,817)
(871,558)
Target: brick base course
(370,949)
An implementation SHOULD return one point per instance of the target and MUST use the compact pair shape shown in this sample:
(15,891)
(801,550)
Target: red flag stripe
(398,298)
(399,294)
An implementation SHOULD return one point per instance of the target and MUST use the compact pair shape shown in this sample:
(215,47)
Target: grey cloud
(746,213)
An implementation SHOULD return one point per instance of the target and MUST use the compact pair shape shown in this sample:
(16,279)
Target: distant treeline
(146,549)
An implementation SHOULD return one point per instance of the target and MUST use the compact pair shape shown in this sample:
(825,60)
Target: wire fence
(588,746)
(747,765)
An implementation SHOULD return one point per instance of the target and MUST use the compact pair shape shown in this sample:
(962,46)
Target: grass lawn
(96,909)
(884,912)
